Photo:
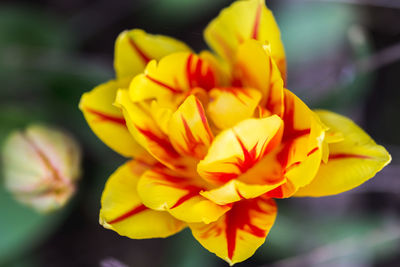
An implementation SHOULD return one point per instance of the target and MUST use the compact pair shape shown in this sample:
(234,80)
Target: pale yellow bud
(41,166)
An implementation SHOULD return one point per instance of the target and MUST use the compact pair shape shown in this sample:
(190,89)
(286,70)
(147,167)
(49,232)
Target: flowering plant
(216,137)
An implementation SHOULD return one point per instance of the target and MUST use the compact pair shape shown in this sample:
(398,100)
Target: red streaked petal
(236,150)
(161,189)
(171,79)
(148,133)
(128,214)
(354,158)
(135,48)
(255,68)
(107,121)
(301,151)
(220,68)
(104,117)
(199,73)
(189,131)
(242,21)
(237,235)
(123,211)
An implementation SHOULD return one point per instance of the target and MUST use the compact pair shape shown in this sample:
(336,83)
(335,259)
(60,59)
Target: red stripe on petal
(283,155)
(174,179)
(189,195)
(346,155)
(189,138)
(290,132)
(257,20)
(163,178)
(130,213)
(188,70)
(166,86)
(227,50)
(204,119)
(297,163)
(198,74)
(192,145)
(238,218)
(106,117)
(294,134)
(249,156)
(161,142)
(315,149)
(139,51)
(46,160)
(239,194)
(222,177)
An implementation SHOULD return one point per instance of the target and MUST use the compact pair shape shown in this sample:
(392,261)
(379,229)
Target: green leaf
(21,228)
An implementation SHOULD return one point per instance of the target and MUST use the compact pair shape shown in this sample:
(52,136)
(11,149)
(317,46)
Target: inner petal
(236,150)
(228,106)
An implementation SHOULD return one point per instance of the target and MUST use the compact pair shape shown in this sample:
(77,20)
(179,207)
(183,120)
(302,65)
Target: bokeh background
(342,54)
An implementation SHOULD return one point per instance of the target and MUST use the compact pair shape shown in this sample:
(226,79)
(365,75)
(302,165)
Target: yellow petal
(172,78)
(236,150)
(106,121)
(228,106)
(301,150)
(147,132)
(237,235)
(135,48)
(254,68)
(352,161)
(241,21)
(189,131)
(161,189)
(161,115)
(123,211)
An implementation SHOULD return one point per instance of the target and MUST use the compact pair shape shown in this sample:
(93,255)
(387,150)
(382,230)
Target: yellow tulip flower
(216,137)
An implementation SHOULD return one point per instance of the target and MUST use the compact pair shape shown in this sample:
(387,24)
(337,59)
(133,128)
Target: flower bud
(41,166)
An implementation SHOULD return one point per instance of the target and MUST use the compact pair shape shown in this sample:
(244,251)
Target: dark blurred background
(343,55)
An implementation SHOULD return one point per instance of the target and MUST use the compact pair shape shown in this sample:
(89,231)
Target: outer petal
(237,235)
(161,189)
(241,21)
(135,48)
(236,150)
(171,79)
(123,211)
(255,68)
(107,121)
(189,131)
(352,161)
(301,151)
(228,106)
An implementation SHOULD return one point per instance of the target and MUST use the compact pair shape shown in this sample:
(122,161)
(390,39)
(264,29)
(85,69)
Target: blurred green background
(342,55)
